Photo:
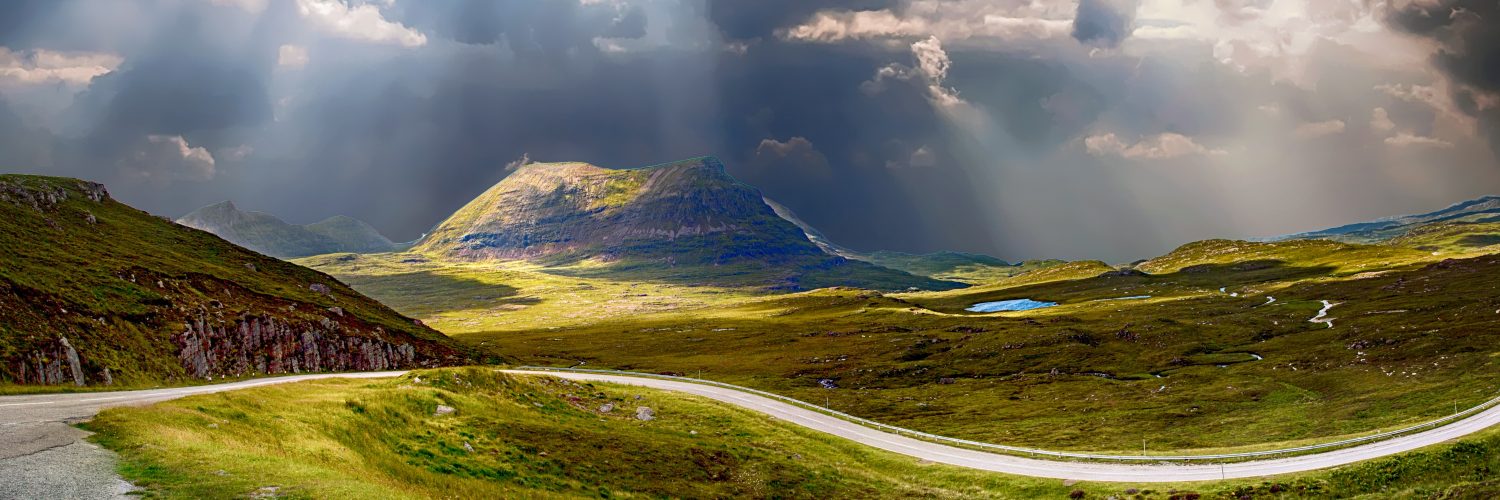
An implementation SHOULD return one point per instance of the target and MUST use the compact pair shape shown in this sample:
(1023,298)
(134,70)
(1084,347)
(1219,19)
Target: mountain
(682,221)
(94,292)
(1479,210)
(946,265)
(812,233)
(269,235)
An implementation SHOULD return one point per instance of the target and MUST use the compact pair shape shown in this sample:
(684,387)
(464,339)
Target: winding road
(43,456)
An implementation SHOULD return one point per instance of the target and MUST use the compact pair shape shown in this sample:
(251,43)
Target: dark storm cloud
(863,201)
(1104,22)
(401,130)
(1468,35)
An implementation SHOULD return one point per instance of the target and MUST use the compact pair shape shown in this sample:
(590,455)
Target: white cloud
(933,64)
(953,20)
(609,45)
(1320,129)
(524,160)
(359,22)
(37,67)
(1380,120)
(1280,37)
(796,153)
(1410,140)
(292,56)
(165,158)
(932,69)
(1158,147)
(1435,97)
(876,84)
(780,148)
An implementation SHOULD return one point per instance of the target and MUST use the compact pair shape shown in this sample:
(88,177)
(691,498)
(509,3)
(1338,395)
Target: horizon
(1012,259)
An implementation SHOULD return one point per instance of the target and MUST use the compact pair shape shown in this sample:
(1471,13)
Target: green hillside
(94,292)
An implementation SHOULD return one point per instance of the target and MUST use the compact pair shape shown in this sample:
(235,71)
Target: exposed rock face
(263,345)
(38,198)
(95,191)
(52,364)
(73,365)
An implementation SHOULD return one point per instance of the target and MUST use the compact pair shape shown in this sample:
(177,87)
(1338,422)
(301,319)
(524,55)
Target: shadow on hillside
(1479,240)
(784,275)
(426,293)
(1116,284)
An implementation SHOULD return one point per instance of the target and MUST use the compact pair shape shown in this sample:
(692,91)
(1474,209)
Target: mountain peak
(687,219)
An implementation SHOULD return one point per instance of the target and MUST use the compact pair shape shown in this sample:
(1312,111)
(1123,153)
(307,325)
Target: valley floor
(1213,352)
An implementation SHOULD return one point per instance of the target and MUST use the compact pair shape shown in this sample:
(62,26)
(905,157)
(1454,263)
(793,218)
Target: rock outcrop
(52,364)
(264,345)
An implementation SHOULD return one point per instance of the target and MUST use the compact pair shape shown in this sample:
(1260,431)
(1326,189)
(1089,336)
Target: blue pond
(1009,305)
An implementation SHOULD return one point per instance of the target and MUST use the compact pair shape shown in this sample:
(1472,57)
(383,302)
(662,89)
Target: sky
(1100,129)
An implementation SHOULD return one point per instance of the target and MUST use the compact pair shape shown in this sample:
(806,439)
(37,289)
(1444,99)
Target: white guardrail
(1032,451)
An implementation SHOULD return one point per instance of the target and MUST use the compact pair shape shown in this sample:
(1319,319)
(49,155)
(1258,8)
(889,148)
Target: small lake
(1009,305)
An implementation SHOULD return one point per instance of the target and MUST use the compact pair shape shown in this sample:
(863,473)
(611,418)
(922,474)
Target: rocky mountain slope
(94,292)
(682,221)
(1485,209)
(956,266)
(267,234)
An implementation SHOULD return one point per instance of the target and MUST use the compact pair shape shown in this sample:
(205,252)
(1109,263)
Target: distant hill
(94,292)
(686,221)
(267,234)
(1480,210)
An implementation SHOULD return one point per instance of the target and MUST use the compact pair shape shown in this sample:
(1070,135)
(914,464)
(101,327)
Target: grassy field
(547,438)
(1220,356)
